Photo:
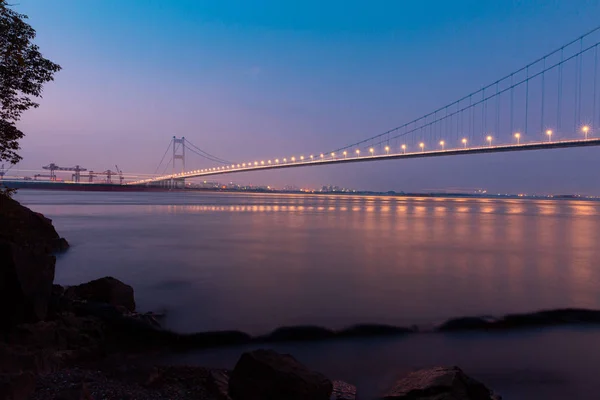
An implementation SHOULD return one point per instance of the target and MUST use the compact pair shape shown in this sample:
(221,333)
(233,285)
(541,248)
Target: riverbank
(92,332)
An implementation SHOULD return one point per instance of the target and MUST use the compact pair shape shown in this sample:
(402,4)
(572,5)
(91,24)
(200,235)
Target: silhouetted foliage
(23,73)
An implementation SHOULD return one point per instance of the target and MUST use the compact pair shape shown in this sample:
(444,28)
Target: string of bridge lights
(322,157)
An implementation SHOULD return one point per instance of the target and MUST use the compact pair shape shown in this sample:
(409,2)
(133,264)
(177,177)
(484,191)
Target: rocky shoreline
(89,342)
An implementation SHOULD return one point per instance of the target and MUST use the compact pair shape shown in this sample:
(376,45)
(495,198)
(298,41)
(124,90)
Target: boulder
(268,375)
(439,383)
(28,229)
(27,241)
(25,284)
(104,290)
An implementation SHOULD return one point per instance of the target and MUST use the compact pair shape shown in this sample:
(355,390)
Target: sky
(249,80)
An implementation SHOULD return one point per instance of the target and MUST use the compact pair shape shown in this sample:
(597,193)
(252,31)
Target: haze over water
(255,262)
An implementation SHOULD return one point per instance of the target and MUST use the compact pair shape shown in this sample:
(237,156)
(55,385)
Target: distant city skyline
(278,79)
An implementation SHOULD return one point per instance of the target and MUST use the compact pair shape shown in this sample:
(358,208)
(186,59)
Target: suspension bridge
(550,103)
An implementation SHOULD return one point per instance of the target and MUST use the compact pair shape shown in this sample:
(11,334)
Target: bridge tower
(178,154)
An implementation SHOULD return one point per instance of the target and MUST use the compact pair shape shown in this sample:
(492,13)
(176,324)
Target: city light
(489,139)
(464,142)
(518,137)
(387,149)
(549,133)
(422,146)
(585,130)
(403,148)
(371,150)
(442,144)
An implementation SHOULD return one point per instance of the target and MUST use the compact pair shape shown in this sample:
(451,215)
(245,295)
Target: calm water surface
(258,261)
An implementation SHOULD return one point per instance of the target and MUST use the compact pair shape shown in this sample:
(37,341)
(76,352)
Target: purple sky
(249,80)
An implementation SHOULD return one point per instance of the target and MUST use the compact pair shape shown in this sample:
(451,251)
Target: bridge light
(269,162)
(464,142)
(403,148)
(549,133)
(332,154)
(238,165)
(301,158)
(345,153)
(489,139)
(585,130)
(311,156)
(255,162)
(233,165)
(285,160)
(371,150)
(357,152)
(442,144)
(422,146)
(243,164)
(322,155)
(518,137)
(387,149)
(277,161)
(293,158)
(262,162)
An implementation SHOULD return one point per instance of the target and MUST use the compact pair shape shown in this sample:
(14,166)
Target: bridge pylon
(178,154)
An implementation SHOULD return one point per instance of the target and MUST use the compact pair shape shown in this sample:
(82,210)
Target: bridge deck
(380,157)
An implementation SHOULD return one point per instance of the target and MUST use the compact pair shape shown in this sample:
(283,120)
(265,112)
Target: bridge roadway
(555,144)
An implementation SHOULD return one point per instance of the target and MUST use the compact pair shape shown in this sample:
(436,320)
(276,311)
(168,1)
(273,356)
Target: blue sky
(262,79)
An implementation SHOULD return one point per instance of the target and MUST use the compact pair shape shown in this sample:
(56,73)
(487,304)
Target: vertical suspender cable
(512,97)
(559,97)
(526,100)
(594,126)
(543,96)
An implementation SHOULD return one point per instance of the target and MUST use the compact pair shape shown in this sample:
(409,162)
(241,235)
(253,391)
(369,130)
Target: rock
(343,391)
(104,290)
(28,229)
(17,386)
(27,240)
(25,284)
(439,383)
(267,375)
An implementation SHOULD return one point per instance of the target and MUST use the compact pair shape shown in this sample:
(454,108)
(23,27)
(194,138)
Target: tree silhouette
(23,73)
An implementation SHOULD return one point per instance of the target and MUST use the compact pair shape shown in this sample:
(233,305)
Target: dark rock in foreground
(27,241)
(28,229)
(267,375)
(440,383)
(104,290)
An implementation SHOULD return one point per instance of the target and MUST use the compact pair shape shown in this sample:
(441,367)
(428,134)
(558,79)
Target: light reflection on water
(255,262)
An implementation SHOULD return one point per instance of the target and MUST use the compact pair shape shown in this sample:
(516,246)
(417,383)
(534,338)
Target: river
(254,262)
